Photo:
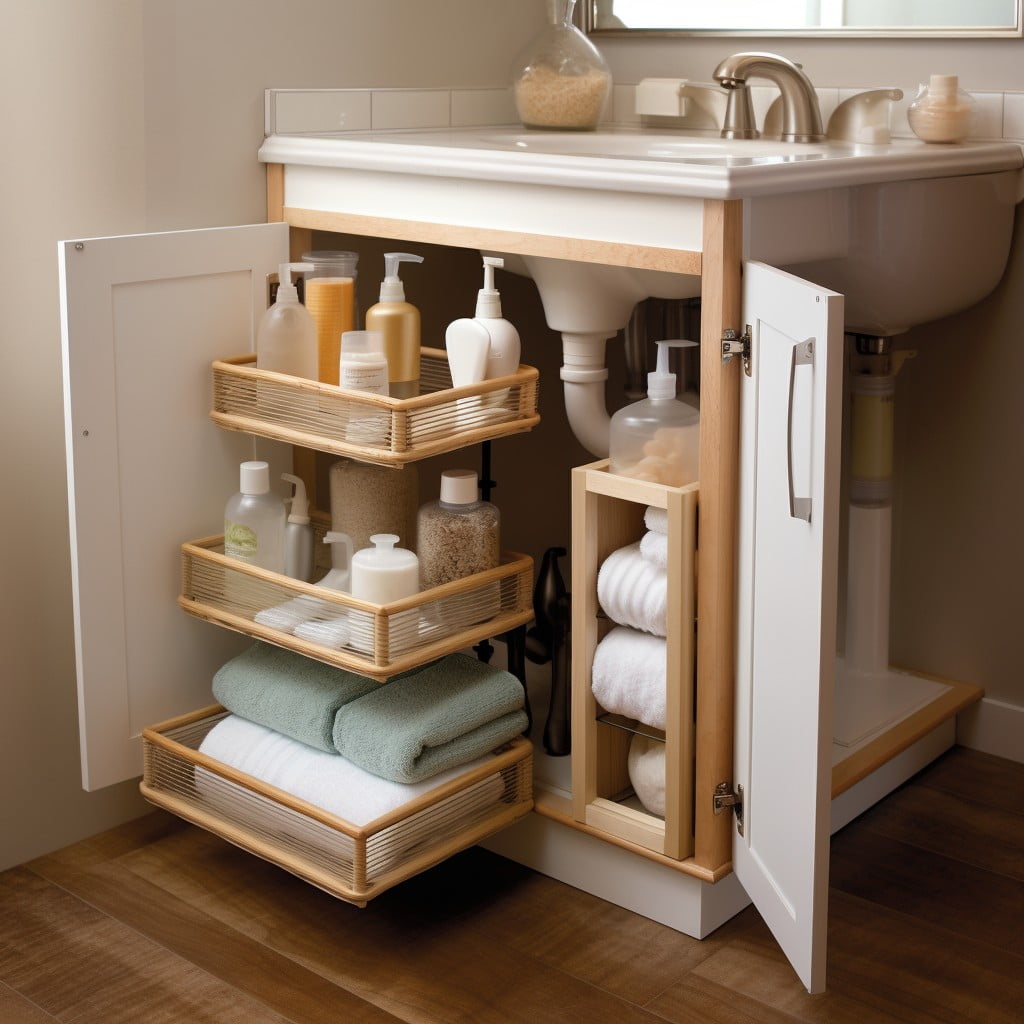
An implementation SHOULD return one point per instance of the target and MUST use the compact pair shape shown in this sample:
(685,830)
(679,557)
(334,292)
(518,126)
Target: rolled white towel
(633,591)
(629,675)
(654,547)
(645,763)
(656,519)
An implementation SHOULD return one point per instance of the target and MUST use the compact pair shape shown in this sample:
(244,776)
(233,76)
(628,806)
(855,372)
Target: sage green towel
(288,693)
(436,718)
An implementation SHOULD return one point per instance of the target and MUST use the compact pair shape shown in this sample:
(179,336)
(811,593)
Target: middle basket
(378,641)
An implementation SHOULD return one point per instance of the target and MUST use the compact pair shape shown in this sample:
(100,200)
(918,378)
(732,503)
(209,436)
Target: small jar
(942,111)
(561,81)
(458,535)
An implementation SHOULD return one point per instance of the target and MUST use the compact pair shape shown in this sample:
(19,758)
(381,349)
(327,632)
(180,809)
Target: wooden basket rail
(354,863)
(383,640)
(374,428)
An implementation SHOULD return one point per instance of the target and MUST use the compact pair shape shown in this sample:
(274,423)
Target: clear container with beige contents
(657,439)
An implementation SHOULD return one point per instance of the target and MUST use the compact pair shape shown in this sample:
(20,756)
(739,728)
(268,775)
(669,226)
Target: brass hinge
(725,797)
(733,345)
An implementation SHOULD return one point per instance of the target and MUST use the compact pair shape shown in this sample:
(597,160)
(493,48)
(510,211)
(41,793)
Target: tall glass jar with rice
(561,81)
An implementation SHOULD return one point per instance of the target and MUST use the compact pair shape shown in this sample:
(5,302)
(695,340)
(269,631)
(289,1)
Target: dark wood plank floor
(158,921)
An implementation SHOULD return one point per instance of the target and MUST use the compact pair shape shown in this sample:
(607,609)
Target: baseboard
(993,727)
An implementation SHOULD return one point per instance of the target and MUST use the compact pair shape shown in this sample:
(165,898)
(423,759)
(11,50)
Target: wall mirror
(869,18)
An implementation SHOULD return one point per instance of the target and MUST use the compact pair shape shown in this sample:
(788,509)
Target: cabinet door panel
(142,317)
(789,489)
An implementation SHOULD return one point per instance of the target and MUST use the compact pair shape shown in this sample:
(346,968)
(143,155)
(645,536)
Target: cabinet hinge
(725,797)
(733,345)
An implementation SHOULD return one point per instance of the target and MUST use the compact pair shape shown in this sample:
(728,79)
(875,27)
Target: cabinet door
(789,491)
(142,317)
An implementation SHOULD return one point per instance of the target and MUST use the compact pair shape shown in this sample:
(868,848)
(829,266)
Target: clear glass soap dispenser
(561,81)
(942,111)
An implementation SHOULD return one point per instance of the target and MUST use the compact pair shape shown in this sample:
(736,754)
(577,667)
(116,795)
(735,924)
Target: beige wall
(132,115)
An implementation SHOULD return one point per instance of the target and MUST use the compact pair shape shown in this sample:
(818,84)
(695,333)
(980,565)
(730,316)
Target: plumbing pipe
(583,375)
(867,589)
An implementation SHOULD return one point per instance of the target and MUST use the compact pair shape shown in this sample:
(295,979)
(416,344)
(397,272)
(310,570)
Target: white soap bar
(661,97)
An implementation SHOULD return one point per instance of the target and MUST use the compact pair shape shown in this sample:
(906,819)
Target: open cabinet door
(789,502)
(142,318)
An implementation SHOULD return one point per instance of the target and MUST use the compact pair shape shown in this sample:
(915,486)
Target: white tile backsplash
(310,111)
(410,108)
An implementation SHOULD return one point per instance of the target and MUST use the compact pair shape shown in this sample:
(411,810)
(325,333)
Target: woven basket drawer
(382,640)
(354,863)
(374,428)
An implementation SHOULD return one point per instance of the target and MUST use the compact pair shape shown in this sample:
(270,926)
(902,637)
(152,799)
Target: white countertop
(644,161)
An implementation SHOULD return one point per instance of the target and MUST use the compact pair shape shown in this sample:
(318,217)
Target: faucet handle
(864,117)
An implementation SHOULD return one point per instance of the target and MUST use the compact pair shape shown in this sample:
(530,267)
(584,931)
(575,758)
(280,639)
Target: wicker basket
(354,863)
(374,640)
(374,428)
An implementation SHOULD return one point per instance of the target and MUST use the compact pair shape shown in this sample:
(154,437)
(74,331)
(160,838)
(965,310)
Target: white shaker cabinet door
(789,502)
(142,318)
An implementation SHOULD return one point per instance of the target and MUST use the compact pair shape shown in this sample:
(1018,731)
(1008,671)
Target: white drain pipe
(583,375)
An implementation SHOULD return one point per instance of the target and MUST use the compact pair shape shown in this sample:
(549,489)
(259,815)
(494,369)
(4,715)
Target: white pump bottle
(487,346)
(286,339)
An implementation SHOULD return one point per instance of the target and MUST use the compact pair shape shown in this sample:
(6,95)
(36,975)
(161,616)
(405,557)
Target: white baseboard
(993,727)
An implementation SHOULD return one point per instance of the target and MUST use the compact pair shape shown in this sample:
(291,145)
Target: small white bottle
(385,573)
(255,519)
(298,533)
(286,339)
(658,438)
(363,366)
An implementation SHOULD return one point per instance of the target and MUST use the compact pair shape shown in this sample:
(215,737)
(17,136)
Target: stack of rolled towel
(353,746)
(628,676)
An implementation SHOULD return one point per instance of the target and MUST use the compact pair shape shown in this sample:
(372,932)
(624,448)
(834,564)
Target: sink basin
(908,232)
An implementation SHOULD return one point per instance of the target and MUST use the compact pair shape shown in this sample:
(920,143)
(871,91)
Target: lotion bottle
(399,323)
(254,520)
(286,339)
(504,349)
(298,534)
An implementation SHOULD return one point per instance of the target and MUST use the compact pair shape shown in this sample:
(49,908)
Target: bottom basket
(354,863)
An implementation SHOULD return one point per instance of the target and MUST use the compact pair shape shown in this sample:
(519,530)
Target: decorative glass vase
(942,111)
(561,81)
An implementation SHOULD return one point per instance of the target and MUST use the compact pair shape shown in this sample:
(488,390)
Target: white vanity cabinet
(767,507)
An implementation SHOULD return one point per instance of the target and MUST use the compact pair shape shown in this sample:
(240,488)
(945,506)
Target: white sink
(908,232)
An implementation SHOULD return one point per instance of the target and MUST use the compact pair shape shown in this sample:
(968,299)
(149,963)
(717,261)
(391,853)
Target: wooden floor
(159,921)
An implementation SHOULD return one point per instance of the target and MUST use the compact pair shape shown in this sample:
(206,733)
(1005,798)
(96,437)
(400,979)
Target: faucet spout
(801,114)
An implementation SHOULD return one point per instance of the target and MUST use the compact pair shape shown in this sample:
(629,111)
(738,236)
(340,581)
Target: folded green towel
(289,693)
(439,717)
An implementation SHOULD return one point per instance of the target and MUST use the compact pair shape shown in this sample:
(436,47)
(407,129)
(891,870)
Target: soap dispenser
(286,340)
(399,323)
(298,533)
(658,438)
(487,346)
(385,573)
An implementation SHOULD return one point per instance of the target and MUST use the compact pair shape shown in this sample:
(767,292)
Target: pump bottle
(286,339)
(298,533)
(399,323)
(658,438)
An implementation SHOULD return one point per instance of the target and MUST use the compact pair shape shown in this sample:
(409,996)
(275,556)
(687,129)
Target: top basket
(369,427)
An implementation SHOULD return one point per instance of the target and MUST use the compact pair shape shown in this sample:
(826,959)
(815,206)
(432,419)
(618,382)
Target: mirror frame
(589,20)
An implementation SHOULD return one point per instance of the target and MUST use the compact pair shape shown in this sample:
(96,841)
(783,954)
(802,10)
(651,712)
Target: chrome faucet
(801,115)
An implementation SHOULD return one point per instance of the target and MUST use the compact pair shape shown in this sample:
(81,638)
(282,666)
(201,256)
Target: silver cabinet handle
(803,355)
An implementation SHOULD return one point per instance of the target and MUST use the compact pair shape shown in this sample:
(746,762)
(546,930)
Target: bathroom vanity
(669,215)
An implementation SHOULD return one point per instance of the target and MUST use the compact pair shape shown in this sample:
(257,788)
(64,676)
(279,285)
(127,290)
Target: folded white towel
(656,519)
(633,591)
(289,614)
(654,547)
(333,632)
(629,675)
(646,766)
(328,781)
